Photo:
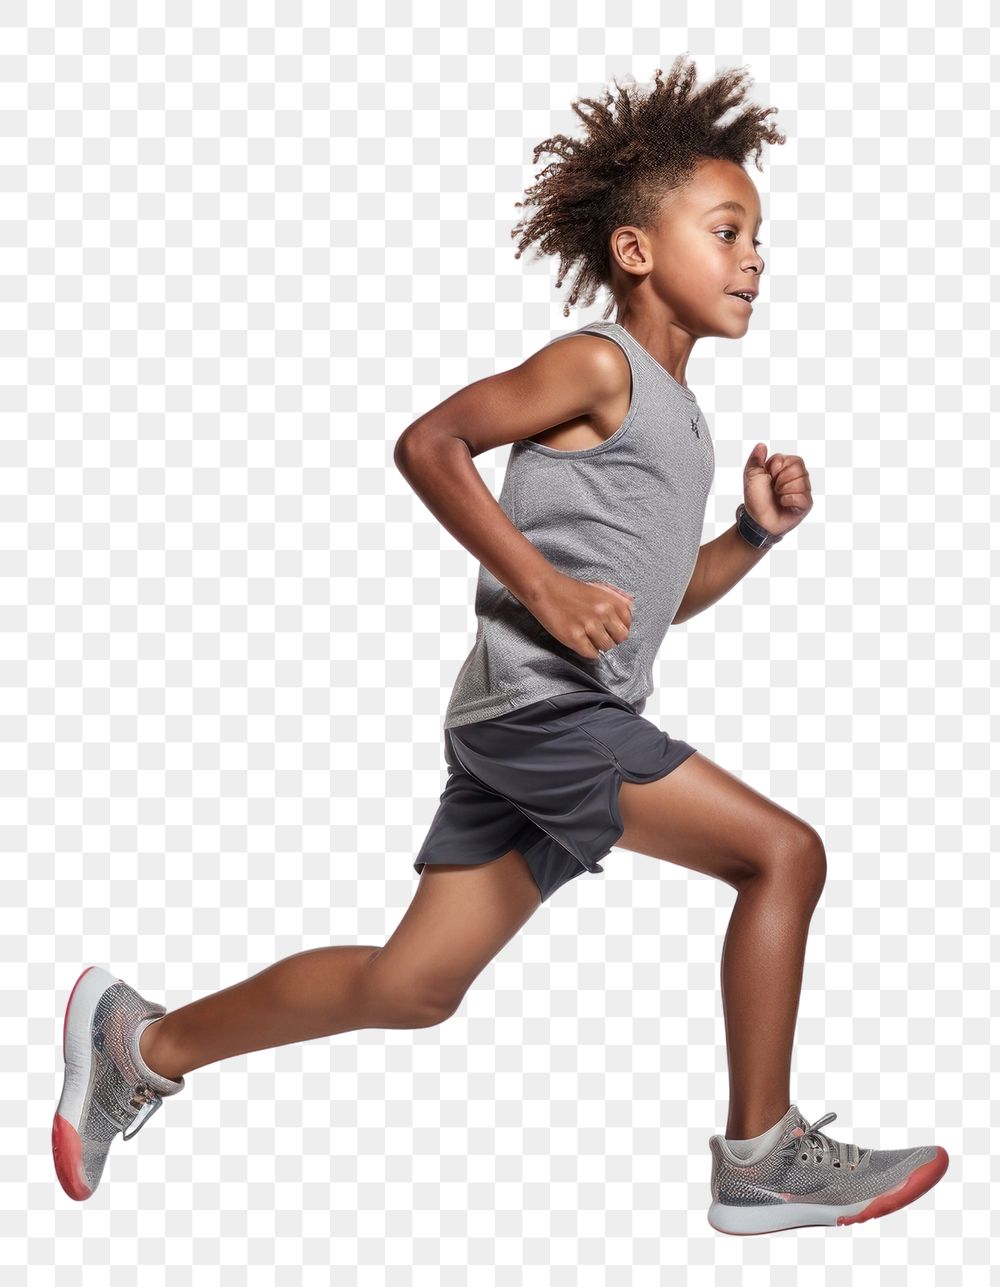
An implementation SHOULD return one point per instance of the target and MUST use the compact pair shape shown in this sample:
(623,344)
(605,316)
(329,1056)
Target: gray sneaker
(804,1177)
(107,1087)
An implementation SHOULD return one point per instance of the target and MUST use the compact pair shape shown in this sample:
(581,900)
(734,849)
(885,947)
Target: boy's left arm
(778,495)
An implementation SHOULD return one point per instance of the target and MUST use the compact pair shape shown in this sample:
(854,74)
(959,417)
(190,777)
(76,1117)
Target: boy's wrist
(751,530)
(536,587)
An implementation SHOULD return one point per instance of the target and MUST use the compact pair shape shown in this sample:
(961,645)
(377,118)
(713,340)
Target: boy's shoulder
(601,375)
(583,352)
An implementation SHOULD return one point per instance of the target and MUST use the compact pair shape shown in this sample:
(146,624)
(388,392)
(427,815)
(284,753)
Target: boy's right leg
(459,919)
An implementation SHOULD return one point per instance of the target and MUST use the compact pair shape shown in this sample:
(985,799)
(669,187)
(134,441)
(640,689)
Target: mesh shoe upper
(123,1095)
(806,1165)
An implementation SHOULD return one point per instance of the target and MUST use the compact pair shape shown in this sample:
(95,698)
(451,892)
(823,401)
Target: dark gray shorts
(544,780)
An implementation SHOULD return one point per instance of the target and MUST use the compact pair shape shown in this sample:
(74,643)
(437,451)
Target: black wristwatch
(752,531)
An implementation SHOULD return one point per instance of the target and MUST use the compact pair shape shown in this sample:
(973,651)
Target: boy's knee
(412,1003)
(414,1008)
(431,1012)
(796,857)
(806,859)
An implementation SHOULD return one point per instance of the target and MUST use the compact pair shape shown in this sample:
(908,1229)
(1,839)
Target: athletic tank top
(630,511)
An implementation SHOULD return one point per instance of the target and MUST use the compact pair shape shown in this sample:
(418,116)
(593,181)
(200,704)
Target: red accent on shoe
(68,1157)
(70,1002)
(915,1184)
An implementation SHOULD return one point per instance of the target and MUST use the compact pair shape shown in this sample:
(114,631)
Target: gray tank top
(630,511)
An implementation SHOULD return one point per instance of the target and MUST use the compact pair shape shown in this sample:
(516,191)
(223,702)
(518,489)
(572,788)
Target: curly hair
(620,172)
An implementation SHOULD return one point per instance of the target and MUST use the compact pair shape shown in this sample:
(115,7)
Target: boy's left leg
(114,1079)
(458,920)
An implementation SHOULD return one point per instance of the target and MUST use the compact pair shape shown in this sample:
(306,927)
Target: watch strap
(752,532)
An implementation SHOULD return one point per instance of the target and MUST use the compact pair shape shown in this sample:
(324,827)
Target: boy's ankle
(150,1053)
(743,1128)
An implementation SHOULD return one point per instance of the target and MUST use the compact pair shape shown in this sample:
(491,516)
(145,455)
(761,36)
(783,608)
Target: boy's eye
(734,233)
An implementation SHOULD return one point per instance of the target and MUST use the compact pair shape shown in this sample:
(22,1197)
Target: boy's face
(698,255)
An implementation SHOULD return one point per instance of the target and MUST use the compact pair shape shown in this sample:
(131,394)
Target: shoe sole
(78,1056)
(797,1215)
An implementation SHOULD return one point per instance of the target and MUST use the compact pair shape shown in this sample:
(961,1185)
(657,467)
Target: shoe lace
(147,1101)
(843,1155)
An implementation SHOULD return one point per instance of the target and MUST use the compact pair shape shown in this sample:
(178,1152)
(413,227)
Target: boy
(550,760)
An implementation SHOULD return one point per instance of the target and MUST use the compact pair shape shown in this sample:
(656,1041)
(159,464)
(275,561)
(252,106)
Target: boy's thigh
(702,817)
(459,918)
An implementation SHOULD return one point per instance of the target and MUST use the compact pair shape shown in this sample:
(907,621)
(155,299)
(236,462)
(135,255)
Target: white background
(241,248)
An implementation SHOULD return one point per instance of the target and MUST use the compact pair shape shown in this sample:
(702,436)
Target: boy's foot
(107,1087)
(803,1177)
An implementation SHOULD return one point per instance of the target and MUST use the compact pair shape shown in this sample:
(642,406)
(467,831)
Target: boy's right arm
(434,454)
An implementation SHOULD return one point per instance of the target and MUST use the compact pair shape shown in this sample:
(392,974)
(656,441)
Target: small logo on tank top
(694,426)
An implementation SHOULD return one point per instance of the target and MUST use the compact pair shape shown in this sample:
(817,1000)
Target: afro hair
(628,161)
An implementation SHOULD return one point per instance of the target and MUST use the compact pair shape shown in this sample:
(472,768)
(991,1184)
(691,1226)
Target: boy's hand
(776,491)
(590,617)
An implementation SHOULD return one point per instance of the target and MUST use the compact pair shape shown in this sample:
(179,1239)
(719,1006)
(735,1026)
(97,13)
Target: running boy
(589,556)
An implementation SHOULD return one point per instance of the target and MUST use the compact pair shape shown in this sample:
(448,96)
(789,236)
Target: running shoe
(107,1087)
(800,1176)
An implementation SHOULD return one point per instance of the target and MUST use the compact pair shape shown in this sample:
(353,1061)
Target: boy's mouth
(748,296)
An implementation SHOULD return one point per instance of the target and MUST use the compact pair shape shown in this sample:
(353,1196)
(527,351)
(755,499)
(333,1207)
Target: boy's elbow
(402,447)
(414,440)
(404,452)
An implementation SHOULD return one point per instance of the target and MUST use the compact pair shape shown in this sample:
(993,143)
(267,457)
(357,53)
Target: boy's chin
(729,329)
(729,333)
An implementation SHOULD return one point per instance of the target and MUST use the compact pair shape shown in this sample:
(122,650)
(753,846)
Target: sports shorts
(544,779)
